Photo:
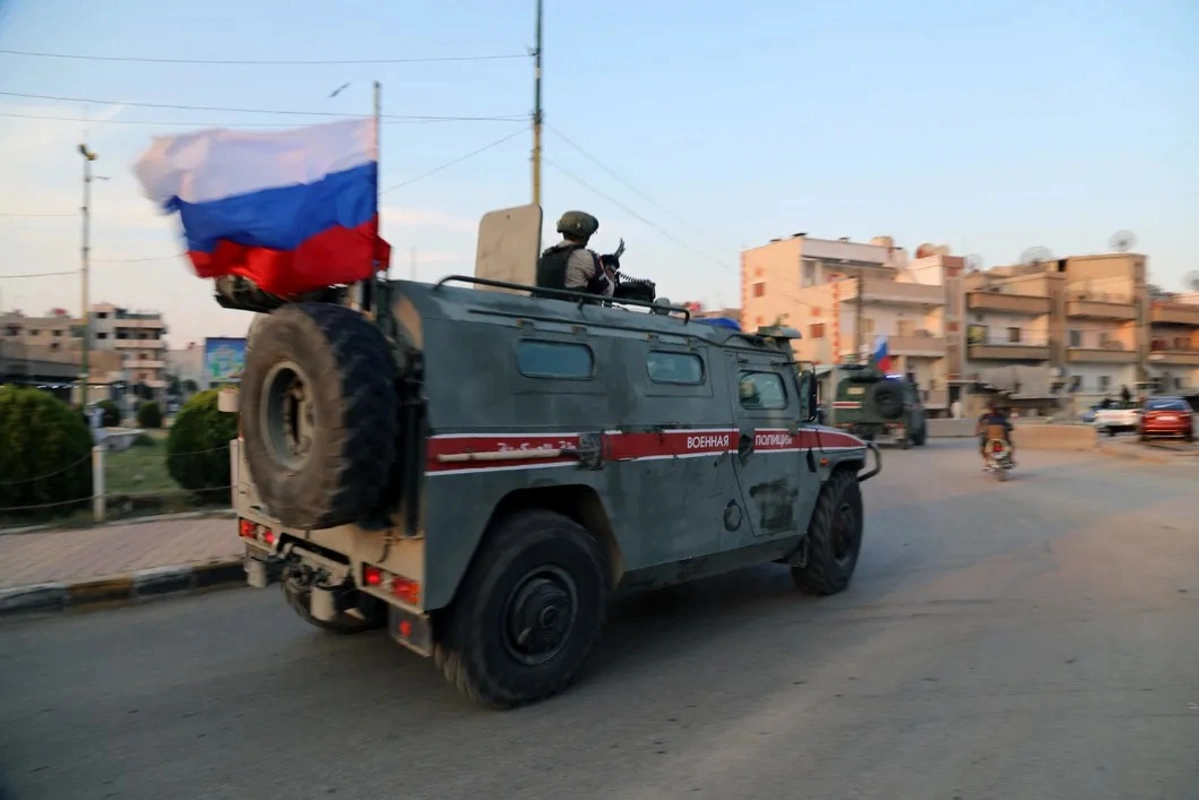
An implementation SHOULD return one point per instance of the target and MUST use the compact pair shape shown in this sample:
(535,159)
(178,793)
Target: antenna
(974,262)
(1191,281)
(1122,241)
(1036,255)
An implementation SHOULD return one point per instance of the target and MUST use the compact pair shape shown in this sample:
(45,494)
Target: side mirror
(809,391)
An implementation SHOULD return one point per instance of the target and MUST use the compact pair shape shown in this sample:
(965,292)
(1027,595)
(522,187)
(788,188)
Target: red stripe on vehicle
(457,452)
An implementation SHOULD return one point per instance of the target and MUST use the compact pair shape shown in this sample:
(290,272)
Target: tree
(149,415)
(174,386)
(198,445)
(45,453)
(111,416)
(190,386)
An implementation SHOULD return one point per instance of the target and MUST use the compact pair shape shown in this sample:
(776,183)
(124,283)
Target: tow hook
(878,463)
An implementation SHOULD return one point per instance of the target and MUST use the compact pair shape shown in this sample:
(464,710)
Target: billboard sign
(224,359)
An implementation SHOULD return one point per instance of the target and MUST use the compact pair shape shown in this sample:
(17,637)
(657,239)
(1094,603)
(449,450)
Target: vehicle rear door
(776,486)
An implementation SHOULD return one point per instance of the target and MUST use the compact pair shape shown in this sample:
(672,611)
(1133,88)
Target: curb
(133,587)
(1118,451)
(217,513)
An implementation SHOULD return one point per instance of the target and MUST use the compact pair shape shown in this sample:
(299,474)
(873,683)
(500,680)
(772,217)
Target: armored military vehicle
(478,465)
(873,405)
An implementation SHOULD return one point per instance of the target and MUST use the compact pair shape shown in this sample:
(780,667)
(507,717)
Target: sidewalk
(79,555)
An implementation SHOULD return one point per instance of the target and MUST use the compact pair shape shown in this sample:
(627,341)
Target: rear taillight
(248,529)
(399,587)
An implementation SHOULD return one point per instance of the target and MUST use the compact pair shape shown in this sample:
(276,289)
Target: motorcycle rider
(570,265)
(995,416)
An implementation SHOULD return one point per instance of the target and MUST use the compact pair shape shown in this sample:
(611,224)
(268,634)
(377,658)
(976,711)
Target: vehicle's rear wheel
(921,436)
(529,611)
(319,415)
(372,612)
(829,554)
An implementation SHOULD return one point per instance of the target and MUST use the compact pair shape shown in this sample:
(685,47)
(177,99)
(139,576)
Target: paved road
(1037,639)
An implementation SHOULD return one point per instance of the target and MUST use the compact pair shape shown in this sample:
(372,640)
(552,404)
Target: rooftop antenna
(1034,256)
(1122,241)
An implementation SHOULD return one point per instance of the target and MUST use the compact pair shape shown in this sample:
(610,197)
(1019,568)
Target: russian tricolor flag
(292,211)
(882,357)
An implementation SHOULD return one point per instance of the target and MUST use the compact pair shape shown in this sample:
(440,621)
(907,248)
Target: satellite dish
(1191,281)
(974,262)
(1036,255)
(1122,241)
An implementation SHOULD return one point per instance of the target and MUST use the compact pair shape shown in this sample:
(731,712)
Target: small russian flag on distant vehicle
(882,357)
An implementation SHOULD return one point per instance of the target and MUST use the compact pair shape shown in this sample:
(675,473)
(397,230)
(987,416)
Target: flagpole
(378,169)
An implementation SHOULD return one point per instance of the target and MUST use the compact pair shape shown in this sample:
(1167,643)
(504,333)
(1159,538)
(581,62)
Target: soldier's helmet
(578,225)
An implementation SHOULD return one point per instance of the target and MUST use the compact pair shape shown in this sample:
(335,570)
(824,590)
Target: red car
(1166,416)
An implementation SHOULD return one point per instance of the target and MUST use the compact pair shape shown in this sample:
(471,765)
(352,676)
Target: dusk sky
(987,126)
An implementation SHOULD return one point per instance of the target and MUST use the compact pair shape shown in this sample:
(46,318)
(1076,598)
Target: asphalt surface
(1033,639)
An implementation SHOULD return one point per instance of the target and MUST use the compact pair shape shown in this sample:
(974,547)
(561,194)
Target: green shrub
(45,453)
(198,445)
(111,418)
(149,415)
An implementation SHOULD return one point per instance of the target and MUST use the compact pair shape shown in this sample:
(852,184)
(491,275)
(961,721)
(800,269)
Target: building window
(54,347)
(539,359)
(678,368)
(1075,383)
(762,391)
(759,289)
(1076,338)
(101,315)
(101,335)
(1105,383)
(1013,335)
(816,331)
(809,273)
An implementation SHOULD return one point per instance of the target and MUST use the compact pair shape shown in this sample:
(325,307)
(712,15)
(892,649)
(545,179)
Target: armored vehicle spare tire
(319,415)
(887,399)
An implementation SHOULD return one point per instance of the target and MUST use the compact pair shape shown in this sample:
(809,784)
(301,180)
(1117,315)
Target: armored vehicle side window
(561,360)
(678,368)
(762,391)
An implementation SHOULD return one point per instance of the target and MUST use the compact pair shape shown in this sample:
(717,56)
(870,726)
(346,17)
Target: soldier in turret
(570,265)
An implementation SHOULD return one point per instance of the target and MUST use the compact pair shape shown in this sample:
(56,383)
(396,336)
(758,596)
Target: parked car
(1166,417)
(1115,420)
(1088,417)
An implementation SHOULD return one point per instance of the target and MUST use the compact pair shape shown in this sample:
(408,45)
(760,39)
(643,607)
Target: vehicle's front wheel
(529,611)
(829,554)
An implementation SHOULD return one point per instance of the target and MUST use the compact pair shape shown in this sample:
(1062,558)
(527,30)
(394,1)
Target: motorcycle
(998,458)
(625,286)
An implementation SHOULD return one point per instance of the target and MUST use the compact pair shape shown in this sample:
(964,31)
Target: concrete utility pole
(85,375)
(537,114)
(857,324)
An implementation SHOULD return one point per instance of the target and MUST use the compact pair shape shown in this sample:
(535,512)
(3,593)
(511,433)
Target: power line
(455,162)
(40,274)
(680,242)
(223,109)
(265,62)
(14,214)
(190,123)
(694,228)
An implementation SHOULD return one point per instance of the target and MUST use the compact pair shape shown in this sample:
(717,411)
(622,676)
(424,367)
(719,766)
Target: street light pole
(537,113)
(85,375)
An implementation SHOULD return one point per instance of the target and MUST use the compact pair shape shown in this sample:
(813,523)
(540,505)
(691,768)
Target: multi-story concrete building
(1174,342)
(133,337)
(1084,318)
(842,295)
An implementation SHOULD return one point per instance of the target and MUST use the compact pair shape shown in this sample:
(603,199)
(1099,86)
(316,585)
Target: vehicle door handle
(745,443)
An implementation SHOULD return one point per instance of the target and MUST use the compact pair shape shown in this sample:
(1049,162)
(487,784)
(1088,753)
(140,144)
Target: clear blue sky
(987,126)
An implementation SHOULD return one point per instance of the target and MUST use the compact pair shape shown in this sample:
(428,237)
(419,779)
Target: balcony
(985,345)
(1086,308)
(144,363)
(139,344)
(1174,353)
(1174,313)
(876,290)
(1112,353)
(925,345)
(1008,303)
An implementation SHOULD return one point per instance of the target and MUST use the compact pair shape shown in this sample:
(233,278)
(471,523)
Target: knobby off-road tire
(528,613)
(374,612)
(319,415)
(920,438)
(834,537)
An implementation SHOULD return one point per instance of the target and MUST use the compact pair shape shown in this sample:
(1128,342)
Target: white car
(1116,420)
